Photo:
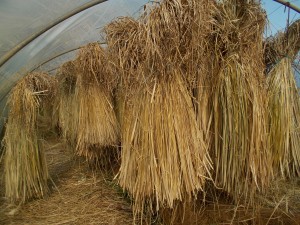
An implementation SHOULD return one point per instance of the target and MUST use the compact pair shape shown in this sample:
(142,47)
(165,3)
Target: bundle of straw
(164,157)
(65,111)
(241,145)
(284,115)
(97,124)
(126,56)
(26,171)
(280,51)
(86,111)
(283,44)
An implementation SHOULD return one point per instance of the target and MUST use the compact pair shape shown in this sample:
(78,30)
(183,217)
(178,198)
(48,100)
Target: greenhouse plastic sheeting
(20,19)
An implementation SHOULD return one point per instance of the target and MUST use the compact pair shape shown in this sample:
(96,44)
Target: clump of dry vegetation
(164,157)
(85,104)
(97,125)
(241,148)
(65,114)
(284,102)
(26,172)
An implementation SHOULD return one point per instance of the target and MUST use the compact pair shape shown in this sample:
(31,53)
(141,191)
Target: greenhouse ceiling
(24,20)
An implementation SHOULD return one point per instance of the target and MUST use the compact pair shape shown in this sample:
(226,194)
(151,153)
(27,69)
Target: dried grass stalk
(65,113)
(86,111)
(26,172)
(284,108)
(241,144)
(97,125)
(164,157)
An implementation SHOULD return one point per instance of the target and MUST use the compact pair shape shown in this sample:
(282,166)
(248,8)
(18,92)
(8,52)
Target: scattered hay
(222,212)
(85,197)
(26,172)
(80,196)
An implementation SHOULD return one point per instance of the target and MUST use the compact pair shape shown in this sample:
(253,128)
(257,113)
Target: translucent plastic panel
(19,18)
(77,31)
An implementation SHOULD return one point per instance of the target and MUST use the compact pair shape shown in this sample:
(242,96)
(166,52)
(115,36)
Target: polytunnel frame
(283,2)
(11,53)
(25,42)
(288,4)
(77,10)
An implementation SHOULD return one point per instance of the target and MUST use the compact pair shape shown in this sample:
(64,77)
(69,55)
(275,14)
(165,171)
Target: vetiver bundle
(164,157)
(26,172)
(86,110)
(284,102)
(241,145)
(65,113)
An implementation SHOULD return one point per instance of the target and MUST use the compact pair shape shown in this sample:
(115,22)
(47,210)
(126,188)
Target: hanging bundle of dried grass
(97,124)
(284,111)
(164,157)
(26,171)
(280,52)
(86,111)
(241,145)
(125,43)
(283,44)
(65,113)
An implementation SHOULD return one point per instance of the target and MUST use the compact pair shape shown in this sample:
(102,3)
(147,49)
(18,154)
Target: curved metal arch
(25,42)
(60,54)
(54,57)
(288,4)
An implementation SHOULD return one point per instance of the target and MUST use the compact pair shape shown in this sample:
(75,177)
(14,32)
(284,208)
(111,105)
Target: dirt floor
(81,195)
